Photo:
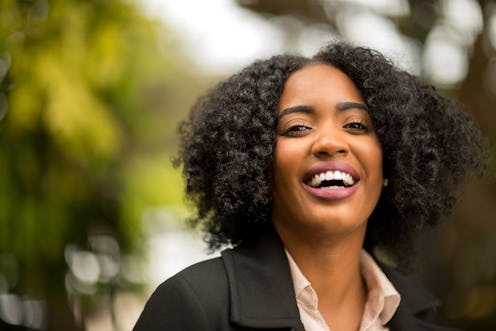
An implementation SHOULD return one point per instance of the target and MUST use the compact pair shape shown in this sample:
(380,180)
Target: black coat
(250,288)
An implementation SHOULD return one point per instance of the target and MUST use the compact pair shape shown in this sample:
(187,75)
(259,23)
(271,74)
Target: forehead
(319,82)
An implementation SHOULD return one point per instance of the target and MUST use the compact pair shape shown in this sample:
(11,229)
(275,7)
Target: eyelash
(356,125)
(297,130)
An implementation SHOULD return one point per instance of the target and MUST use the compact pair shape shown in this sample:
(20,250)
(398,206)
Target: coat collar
(418,306)
(260,284)
(262,293)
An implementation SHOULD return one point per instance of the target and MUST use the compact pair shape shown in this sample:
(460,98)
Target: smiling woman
(324,128)
(308,167)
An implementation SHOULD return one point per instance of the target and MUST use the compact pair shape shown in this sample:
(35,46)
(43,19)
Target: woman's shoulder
(193,299)
(413,293)
(203,277)
(418,306)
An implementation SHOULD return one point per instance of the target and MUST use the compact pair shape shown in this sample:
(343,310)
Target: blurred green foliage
(90,94)
(85,131)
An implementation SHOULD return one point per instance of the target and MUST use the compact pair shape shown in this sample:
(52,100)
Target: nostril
(325,146)
(325,152)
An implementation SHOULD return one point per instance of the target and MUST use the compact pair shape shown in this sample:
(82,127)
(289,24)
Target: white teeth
(329,175)
(348,180)
(332,175)
(322,177)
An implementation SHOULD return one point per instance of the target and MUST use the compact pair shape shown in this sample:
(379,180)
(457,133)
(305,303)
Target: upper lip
(330,166)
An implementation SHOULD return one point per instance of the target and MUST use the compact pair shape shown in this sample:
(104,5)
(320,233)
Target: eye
(296,130)
(357,126)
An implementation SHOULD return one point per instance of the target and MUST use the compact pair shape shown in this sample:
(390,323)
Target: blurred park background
(91,210)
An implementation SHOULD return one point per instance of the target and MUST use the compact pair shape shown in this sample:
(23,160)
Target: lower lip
(332,193)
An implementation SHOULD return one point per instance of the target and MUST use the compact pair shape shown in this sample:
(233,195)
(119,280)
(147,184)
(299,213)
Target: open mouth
(331,179)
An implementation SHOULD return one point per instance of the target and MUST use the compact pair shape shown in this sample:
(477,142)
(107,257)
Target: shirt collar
(382,299)
(304,292)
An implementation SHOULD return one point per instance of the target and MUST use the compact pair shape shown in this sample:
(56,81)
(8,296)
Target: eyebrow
(342,106)
(307,109)
(296,109)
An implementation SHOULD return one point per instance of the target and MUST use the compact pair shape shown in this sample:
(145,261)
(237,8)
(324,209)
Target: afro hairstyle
(226,149)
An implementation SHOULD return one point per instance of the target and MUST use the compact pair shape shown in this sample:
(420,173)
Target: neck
(331,263)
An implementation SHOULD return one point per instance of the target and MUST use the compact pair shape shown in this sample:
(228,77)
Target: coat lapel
(260,284)
(262,293)
(417,308)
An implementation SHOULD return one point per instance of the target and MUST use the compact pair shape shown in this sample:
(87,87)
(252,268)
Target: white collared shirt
(382,298)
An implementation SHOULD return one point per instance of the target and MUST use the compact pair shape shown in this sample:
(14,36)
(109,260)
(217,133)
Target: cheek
(375,161)
(371,158)
(286,161)
(376,158)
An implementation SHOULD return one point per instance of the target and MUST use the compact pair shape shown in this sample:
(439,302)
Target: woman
(309,168)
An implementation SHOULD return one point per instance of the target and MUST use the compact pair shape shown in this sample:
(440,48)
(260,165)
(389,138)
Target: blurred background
(91,210)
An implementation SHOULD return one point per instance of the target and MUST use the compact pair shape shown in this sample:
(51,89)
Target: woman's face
(327,158)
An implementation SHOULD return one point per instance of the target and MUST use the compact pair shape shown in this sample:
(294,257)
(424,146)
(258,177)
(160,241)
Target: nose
(330,142)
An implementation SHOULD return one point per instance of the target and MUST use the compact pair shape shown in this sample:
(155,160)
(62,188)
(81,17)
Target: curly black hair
(227,142)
